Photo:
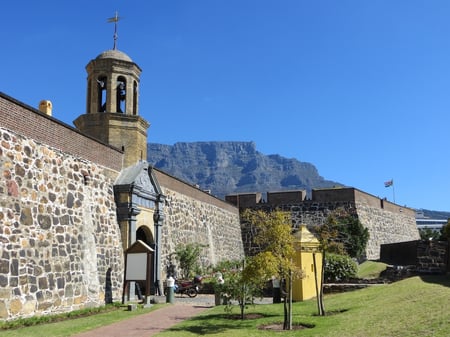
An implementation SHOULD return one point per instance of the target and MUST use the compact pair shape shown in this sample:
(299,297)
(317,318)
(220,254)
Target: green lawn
(71,327)
(412,307)
(370,269)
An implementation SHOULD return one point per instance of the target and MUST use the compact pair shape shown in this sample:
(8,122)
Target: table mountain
(231,167)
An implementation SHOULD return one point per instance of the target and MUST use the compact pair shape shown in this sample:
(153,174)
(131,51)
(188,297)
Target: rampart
(195,216)
(386,221)
(60,242)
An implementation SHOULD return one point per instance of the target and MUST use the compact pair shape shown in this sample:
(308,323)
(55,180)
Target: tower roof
(305,237)
(114,54)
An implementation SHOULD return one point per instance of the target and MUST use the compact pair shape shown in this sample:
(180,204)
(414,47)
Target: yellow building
(308,258)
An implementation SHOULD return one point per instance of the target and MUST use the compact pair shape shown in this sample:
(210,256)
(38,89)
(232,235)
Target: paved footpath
(146,325)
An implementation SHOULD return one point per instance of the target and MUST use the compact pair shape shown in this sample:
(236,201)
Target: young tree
(274,236)
(235,287)
(341,234)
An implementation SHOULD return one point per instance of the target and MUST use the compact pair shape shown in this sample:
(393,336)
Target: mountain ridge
(230,167)
(234,167)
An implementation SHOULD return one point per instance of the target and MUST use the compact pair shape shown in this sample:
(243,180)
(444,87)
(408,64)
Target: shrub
(343,234)
(188,258)
(339,268)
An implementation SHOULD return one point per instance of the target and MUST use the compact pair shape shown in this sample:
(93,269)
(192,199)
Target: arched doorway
(144,234)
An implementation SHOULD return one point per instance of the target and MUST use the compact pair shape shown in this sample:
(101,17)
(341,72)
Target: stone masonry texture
(386,222)
(60,244)
(188,220)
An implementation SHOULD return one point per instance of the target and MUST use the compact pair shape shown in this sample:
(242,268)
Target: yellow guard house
(307,251)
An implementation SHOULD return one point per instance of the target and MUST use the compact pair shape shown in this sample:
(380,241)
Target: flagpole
(390,183)
(393,191)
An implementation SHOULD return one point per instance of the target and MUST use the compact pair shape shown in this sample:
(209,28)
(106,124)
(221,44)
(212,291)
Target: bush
(188,258)
(339,268)
(343,234)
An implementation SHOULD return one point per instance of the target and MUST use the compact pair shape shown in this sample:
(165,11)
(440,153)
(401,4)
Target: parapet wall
(60,244)
(33,124)
(275,198)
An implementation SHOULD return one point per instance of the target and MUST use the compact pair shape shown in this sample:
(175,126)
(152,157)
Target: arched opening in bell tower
(135,95)
(121,94)
(101,89)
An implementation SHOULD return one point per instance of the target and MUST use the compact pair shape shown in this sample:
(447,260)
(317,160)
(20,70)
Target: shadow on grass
(331,312)
(443,280)
(212,324)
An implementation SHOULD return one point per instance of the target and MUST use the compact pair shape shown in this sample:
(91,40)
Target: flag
(389,183)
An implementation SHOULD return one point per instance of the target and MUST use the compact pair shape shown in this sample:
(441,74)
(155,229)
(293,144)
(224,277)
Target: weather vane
(115,19)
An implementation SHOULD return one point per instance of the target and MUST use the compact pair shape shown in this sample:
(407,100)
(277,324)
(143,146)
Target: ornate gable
(138,181)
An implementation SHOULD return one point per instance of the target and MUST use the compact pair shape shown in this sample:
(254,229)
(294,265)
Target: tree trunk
(243,294)
(290,301)
(285,322)
(318,299)
(322,305)
(242,308)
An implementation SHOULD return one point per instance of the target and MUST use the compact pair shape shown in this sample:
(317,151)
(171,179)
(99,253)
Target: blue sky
(359,88)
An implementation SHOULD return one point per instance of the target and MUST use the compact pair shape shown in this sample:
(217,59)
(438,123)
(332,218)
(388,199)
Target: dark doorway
(145,235)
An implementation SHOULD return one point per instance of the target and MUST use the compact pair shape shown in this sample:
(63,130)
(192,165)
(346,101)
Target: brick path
(148,324)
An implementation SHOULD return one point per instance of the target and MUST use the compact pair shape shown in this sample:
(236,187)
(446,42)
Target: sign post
(138,267)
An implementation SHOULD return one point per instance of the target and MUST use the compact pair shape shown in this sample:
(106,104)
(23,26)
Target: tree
(188,258)
(429,234)
(235,287)
(274,236)
(341,234)
(445,231)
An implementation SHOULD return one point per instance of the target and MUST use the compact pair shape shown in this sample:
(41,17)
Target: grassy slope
(370,269)
(413,307)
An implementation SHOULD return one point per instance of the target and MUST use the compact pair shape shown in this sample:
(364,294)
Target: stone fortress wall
(195,216)
(60,246)
(386,221)
(60,241)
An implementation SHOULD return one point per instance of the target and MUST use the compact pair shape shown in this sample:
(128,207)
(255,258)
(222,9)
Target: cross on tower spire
(115,19)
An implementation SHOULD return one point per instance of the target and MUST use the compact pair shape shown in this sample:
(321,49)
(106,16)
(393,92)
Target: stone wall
(420,256)
(386,222)
(193,216)
(386,226)
(433,257)
(60,245)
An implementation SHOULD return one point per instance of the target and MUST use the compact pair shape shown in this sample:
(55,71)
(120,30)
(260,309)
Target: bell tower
(112,104)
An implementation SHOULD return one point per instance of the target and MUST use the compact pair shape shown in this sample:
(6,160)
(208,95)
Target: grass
(66,325)
(412,307)
(370,269)
(418,306)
